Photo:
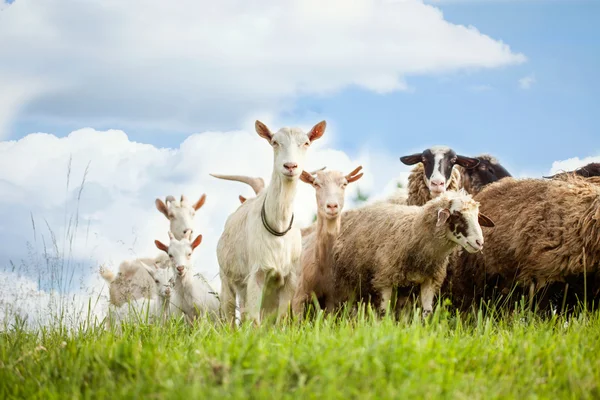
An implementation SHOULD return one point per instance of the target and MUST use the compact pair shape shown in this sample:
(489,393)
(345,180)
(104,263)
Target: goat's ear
(307,178)
(200,202)
(196,242)
(161,246)
(242,199)
(352,176)
(443,216)
(412,159)
(317,131)
(263,131)
(467,162)
(160,206)
(485,221)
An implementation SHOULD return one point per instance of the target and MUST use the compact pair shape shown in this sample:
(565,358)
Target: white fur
(180,213)
(255,265)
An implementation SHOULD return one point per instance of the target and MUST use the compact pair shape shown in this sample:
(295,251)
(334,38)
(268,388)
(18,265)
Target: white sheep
(191,294)
(259,250)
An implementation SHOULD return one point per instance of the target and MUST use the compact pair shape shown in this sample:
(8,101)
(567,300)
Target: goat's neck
(279,206)
(327,232)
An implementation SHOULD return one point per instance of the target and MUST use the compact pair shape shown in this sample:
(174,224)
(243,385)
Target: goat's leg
(286,295)
(254,294)
(427,292)
(227,301)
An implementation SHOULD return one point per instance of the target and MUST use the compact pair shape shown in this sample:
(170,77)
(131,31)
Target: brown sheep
(384,246)
(489,170)
(546,231)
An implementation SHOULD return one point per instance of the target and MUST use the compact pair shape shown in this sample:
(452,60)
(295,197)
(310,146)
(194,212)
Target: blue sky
(393,79)
(474,112)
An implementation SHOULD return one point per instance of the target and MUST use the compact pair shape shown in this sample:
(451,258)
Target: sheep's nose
(479,242)
(332,206)
(290,166)
(180,268)
(437,182)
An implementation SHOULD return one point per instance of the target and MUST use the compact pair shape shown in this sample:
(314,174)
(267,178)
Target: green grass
(514,356)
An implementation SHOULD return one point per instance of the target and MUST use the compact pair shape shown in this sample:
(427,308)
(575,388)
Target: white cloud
(212,64)
(527,81)
(572,163)
(116,217)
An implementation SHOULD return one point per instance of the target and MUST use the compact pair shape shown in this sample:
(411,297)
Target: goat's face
(180,213)
(162,278)
(180,252)
(330,187)
(289,147)
(487,171)
(463,222)
(438,162)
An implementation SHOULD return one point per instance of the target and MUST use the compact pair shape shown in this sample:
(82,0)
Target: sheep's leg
(227,301)
(254,294)
(427,292)
(386,297)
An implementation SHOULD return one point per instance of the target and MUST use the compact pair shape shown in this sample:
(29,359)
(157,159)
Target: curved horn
(257,184)
(317,170)
(169,199)
(352,176)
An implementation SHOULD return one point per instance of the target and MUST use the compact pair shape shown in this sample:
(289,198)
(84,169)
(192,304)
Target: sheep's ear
(160,206)
(317,131)
(196,242)
(200,202)
(485,221)
(443,216)
(467,162)
(242,199)
(148,268)
(412,159)
(161,246)
(352,176)
(263,131)
(307,178)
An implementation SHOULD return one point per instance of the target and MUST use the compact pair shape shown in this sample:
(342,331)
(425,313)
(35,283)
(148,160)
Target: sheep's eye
(424,160)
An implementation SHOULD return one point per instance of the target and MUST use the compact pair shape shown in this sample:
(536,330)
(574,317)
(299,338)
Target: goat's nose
(290,166)
(332,206)
(180,268)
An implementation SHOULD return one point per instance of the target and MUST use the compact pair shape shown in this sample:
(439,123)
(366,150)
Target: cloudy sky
(141,99)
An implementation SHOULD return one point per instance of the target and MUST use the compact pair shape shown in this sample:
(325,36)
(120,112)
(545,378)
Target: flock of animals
(464,228)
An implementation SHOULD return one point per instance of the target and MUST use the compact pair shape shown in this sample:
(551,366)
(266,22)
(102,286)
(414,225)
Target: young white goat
(259,250)
(132,281)
(180,213)
(316,275)
(192,294)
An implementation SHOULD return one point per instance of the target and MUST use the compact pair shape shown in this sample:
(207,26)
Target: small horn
(356,170)
(317,170)
(169,199)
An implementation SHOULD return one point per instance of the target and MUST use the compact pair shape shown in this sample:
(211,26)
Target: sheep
(547,231)
(489,170)
(434,174)
(132,281)
(192,295)
(385,246)
(587,171)
(180,213)
(259,250)
(316,276)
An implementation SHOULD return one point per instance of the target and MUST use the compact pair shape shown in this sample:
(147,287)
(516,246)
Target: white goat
(192,294)
(180,213)
(259,250)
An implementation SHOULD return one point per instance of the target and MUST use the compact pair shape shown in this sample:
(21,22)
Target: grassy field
(473,357)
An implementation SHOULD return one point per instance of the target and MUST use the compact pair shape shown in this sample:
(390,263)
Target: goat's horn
(169,199)
(351,174)
(317,170)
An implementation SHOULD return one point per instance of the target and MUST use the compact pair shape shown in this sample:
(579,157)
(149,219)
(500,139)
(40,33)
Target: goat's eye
(275,143)
(306,144)
(315,184)
(156,280)
(344,185)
